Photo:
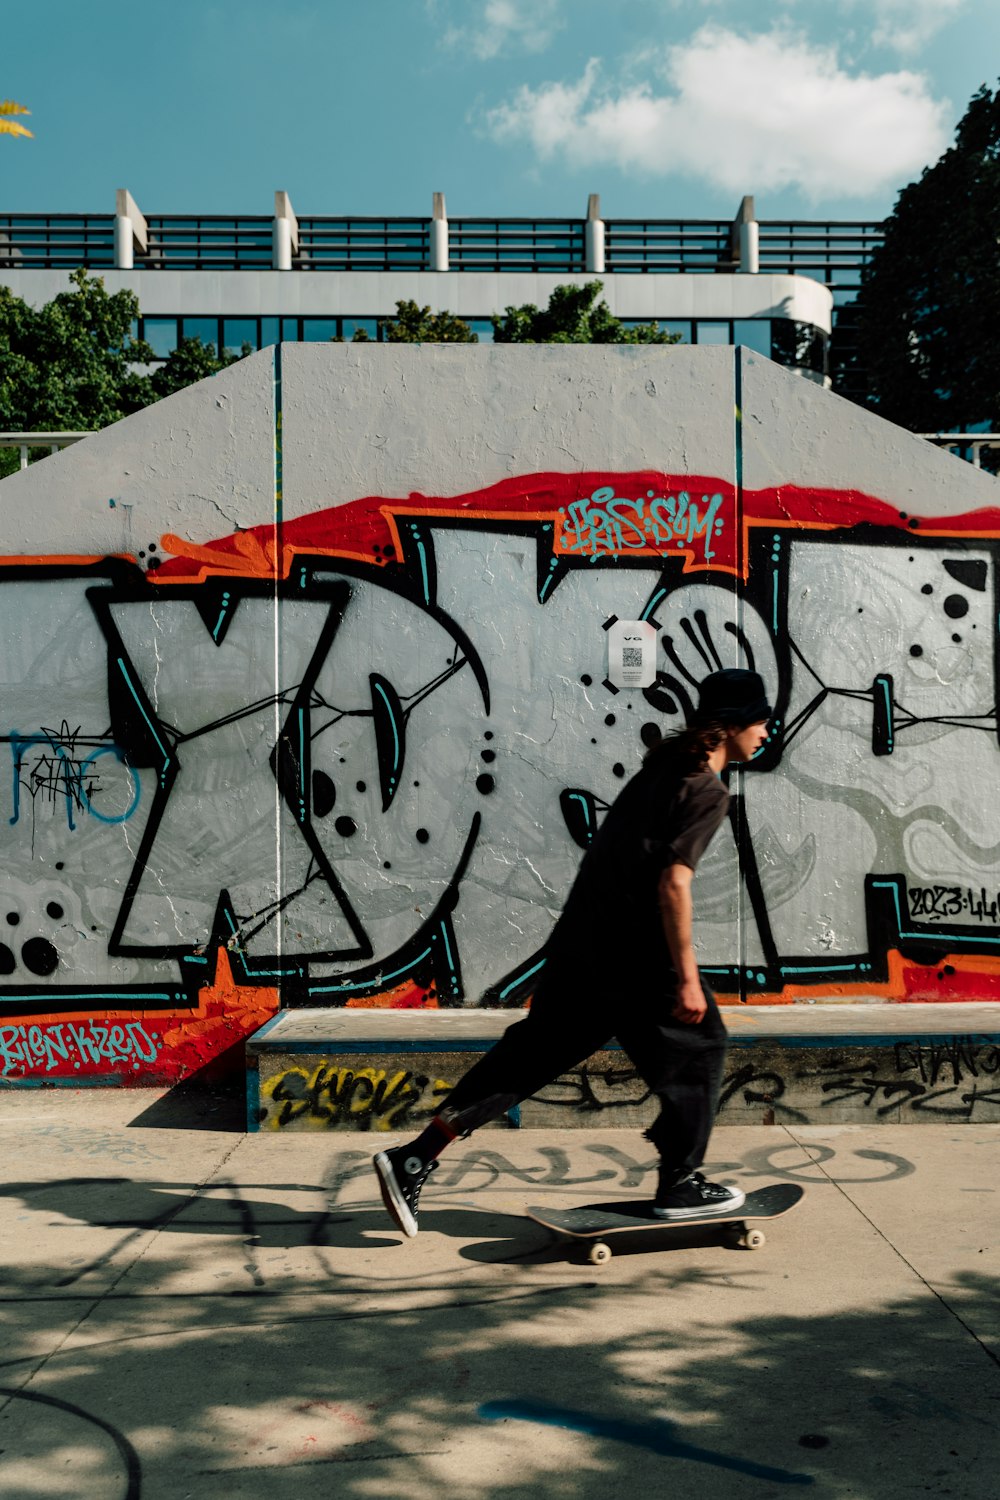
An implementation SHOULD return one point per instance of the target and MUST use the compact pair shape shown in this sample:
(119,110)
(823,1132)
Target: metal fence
(833,252)
(516,245)
(24,441)
(363,245)
(206,243)
(41,241)
(668,245)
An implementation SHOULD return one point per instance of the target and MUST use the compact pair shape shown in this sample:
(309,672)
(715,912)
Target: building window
(665,325)
(238,331)
(320,330)
(714,333)
(349,325)
(753,333)
(206,329)
(801,345)
(798,345)
(161,335)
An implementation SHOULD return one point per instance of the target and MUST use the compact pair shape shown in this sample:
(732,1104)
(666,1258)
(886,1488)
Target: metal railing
(668,245)
(42,241)
(206,243)
(516,245)
(848,242)
(51,440)
(834,252)
(963,441)
(363,245)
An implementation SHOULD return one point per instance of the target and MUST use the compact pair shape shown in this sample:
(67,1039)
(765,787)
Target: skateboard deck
(594,1222)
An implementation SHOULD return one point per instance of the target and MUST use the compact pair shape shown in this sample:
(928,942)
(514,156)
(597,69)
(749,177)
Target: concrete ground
(193,1312)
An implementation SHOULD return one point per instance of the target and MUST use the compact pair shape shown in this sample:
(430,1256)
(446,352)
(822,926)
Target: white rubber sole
(391,1196)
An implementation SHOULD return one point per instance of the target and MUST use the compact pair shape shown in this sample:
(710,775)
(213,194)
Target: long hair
(687,750)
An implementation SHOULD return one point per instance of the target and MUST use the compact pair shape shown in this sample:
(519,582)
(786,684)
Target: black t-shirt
(662,817)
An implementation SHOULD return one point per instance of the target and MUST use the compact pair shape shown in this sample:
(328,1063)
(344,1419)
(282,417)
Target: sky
(666,108)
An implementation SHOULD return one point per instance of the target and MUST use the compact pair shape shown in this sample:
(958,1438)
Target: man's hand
(691,1003)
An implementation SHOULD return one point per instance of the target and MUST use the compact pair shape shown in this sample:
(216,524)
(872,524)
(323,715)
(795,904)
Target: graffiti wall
(352,755)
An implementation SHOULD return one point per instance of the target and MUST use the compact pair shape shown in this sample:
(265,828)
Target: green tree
(929,306)
(74,365)
(418,325)
(69,365)
(190,361)
(573,316)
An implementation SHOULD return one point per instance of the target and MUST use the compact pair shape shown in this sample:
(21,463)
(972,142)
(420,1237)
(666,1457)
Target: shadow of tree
(253,1349)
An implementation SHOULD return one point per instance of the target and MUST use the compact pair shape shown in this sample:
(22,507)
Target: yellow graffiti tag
(333,1097)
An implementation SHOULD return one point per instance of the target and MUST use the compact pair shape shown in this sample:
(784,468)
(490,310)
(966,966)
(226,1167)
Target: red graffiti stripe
(366,529)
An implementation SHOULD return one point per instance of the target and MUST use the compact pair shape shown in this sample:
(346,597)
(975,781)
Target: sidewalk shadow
(224,1209)
(361,1395)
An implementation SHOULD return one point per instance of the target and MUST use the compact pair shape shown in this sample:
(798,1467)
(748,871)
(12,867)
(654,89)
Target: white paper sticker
(632,654)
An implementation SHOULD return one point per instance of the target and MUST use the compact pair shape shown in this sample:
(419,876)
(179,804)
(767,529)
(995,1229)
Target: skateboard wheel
(599,1254)
(755,1239)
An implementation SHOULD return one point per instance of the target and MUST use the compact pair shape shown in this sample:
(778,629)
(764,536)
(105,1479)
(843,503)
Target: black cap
(733,696)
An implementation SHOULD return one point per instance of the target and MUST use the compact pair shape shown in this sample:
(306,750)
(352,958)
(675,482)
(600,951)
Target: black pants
(572,1016)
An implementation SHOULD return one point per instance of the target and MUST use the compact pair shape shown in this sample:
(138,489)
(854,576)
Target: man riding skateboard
(621,963)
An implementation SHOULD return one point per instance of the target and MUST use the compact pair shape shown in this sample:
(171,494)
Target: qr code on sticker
(632,657)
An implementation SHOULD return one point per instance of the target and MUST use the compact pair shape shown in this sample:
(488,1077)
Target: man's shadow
(226,1210)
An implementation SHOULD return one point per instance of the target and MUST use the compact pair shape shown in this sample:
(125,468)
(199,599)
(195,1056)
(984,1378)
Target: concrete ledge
(296,1030)
(804,1064)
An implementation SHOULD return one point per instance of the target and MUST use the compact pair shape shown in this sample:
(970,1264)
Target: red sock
(432,1142)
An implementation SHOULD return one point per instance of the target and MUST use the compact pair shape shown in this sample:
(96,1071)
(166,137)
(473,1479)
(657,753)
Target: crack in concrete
(112,1286)
(991,1354)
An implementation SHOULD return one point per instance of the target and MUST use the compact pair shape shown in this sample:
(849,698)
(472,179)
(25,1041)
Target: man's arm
(674,893)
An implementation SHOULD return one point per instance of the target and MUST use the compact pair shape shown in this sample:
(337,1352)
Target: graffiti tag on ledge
(350,1098)
(607,524)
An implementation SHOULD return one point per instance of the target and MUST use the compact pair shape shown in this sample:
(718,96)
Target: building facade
(774,287)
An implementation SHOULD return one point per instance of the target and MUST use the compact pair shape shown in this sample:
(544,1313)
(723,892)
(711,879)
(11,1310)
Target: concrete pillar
(124,244)
(131,230)
(593,243)
(281,245)
(284,233)
(750,247)
(439,235)
(745,238)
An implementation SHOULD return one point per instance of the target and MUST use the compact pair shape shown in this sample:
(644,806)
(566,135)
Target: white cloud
(903,26)
(499,27)
(747,113)
(908,25)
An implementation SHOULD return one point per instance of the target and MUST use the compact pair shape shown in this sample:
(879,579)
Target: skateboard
(596,1221)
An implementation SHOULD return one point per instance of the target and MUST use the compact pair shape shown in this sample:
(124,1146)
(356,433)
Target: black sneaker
(401,1175)
(695,1197)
